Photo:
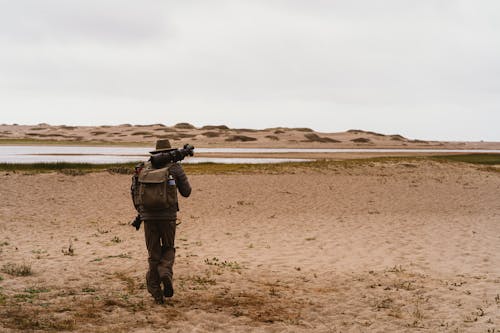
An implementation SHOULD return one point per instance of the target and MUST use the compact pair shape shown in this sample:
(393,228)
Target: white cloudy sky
(426,69)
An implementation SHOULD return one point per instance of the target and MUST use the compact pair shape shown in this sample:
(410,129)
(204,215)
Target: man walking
(154,193)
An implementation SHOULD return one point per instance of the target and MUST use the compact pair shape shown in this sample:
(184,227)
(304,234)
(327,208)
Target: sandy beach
(388,246)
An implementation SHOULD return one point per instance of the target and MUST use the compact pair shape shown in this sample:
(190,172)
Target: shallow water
(101,155)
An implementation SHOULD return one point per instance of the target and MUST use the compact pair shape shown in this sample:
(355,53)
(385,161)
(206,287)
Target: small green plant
(233,265)
(30,294)
(17,269)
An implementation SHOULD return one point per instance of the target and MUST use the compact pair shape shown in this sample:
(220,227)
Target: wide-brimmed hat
(161,146)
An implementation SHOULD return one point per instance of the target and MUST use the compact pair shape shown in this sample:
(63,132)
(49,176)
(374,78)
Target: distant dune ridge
(220,136)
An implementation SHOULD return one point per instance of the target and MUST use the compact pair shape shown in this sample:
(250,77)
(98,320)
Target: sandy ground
(222,136)
(379,247)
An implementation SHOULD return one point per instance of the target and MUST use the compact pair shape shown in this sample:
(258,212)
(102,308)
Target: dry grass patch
(28,319)
(23,269)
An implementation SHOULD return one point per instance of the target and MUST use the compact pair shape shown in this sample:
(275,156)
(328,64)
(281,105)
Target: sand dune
(221,136)
(379,247)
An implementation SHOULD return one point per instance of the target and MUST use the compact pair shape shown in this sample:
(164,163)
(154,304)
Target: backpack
(153,189)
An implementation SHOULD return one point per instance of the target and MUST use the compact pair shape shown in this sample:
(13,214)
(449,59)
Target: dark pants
(160,236)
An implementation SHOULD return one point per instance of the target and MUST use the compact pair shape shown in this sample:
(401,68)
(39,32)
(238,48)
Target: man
(159,218)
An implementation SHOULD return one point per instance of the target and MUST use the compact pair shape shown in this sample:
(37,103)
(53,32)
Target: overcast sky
(427,69)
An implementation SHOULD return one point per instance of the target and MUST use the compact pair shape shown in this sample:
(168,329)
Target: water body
(101,155)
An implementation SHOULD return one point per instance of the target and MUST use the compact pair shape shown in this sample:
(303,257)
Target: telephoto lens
(161,159)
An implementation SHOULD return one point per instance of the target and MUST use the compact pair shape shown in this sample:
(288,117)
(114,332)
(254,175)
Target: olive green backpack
(153,189)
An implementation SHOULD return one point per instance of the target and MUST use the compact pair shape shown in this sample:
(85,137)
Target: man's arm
(181,180)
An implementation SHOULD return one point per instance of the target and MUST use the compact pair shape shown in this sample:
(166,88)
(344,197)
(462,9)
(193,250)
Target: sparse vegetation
(184,126)
(214,168)
(120,170)
(232,265)
(72,172)
(312,137)
(357,131)
(242,130)
(361,140)
(272,137)
(48,135)
(211,134)
(3,298)
(116,240)
(167,129)
(242,138)
(130,282)
(142,133)
(215,127)
(63,166)
(397,137)
(88,289)
(186,135)
(120,256)
(23,269)
(486,159)
(98,132)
